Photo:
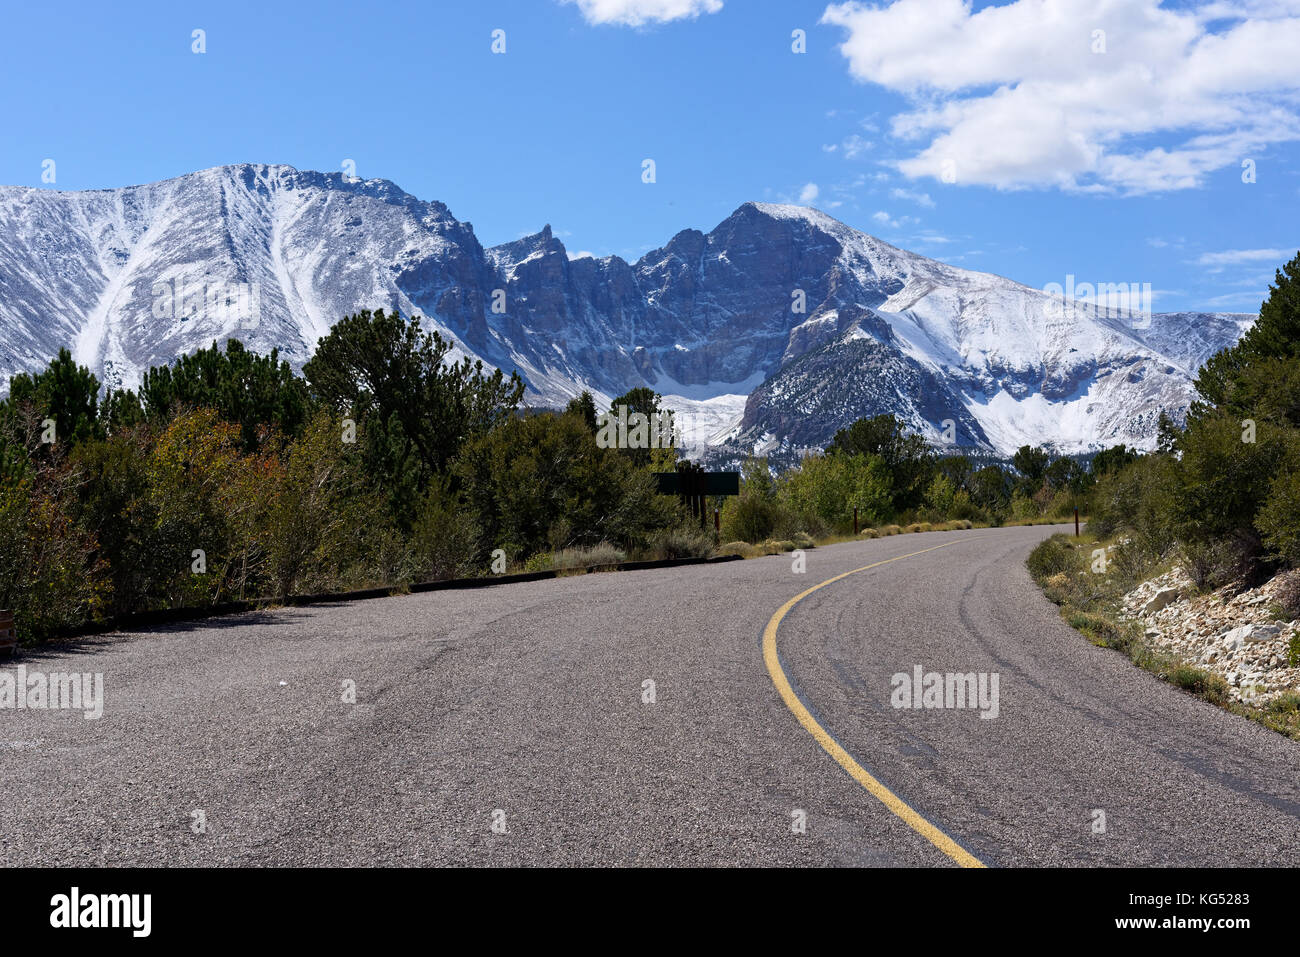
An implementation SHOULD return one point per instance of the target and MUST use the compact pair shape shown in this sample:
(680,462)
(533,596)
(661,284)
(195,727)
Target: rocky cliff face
(800,319)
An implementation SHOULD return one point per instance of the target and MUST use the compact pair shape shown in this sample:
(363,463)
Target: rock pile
(1236,635)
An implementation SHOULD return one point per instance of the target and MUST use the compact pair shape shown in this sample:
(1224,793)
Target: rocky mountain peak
(812,321)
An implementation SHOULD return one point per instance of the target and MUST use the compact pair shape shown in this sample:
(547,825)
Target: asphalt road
(528,699)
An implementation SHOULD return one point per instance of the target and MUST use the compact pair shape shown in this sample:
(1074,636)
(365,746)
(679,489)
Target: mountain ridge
(711,317)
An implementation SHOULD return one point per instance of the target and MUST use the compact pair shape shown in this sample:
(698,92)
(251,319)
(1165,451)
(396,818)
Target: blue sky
(1119,164)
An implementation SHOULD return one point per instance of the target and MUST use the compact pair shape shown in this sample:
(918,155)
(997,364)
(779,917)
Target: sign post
(693,485)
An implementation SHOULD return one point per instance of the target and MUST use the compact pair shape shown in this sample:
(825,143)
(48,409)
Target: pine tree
(64,391)
(250,390)
(1276,335)
(413,409)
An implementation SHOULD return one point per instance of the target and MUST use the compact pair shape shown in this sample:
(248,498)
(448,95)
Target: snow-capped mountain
(771,331)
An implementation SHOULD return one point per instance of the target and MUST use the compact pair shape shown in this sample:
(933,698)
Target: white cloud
(885,219)
(921,199)
(637,13)
(1254,281)
(1242,302)
(855,146)
(1014,96)
(1235,257)
(808,194)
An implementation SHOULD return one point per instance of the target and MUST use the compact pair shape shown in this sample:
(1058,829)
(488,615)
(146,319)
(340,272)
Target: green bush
(414,409)
(384,465)
(743,549)
(1137,498)
(445,538)
(748,518)
(1024,507)
(905,465)
(602,555)
(826,489)
(113,504)
(541,483)
(205,493)
(50,575)
(1288,595)
(681,541)
(1053,556)
(1223,480)
(1132,561)
(1279,517)
(1100,630)
(250,390)
(941,495)
(1210,686)
(757,514)
(1286,703)
(1218,562)
(595,558)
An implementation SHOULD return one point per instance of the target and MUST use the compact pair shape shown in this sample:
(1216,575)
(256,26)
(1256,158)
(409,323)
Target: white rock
(1250,633)
(1160,599)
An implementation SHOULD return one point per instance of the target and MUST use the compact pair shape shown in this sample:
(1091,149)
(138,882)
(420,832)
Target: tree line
(890,475)
(1221,493)
(228,476)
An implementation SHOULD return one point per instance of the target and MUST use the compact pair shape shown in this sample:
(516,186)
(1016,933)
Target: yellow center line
(860,774)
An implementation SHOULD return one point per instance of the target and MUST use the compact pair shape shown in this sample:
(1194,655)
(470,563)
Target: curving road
(528,699)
